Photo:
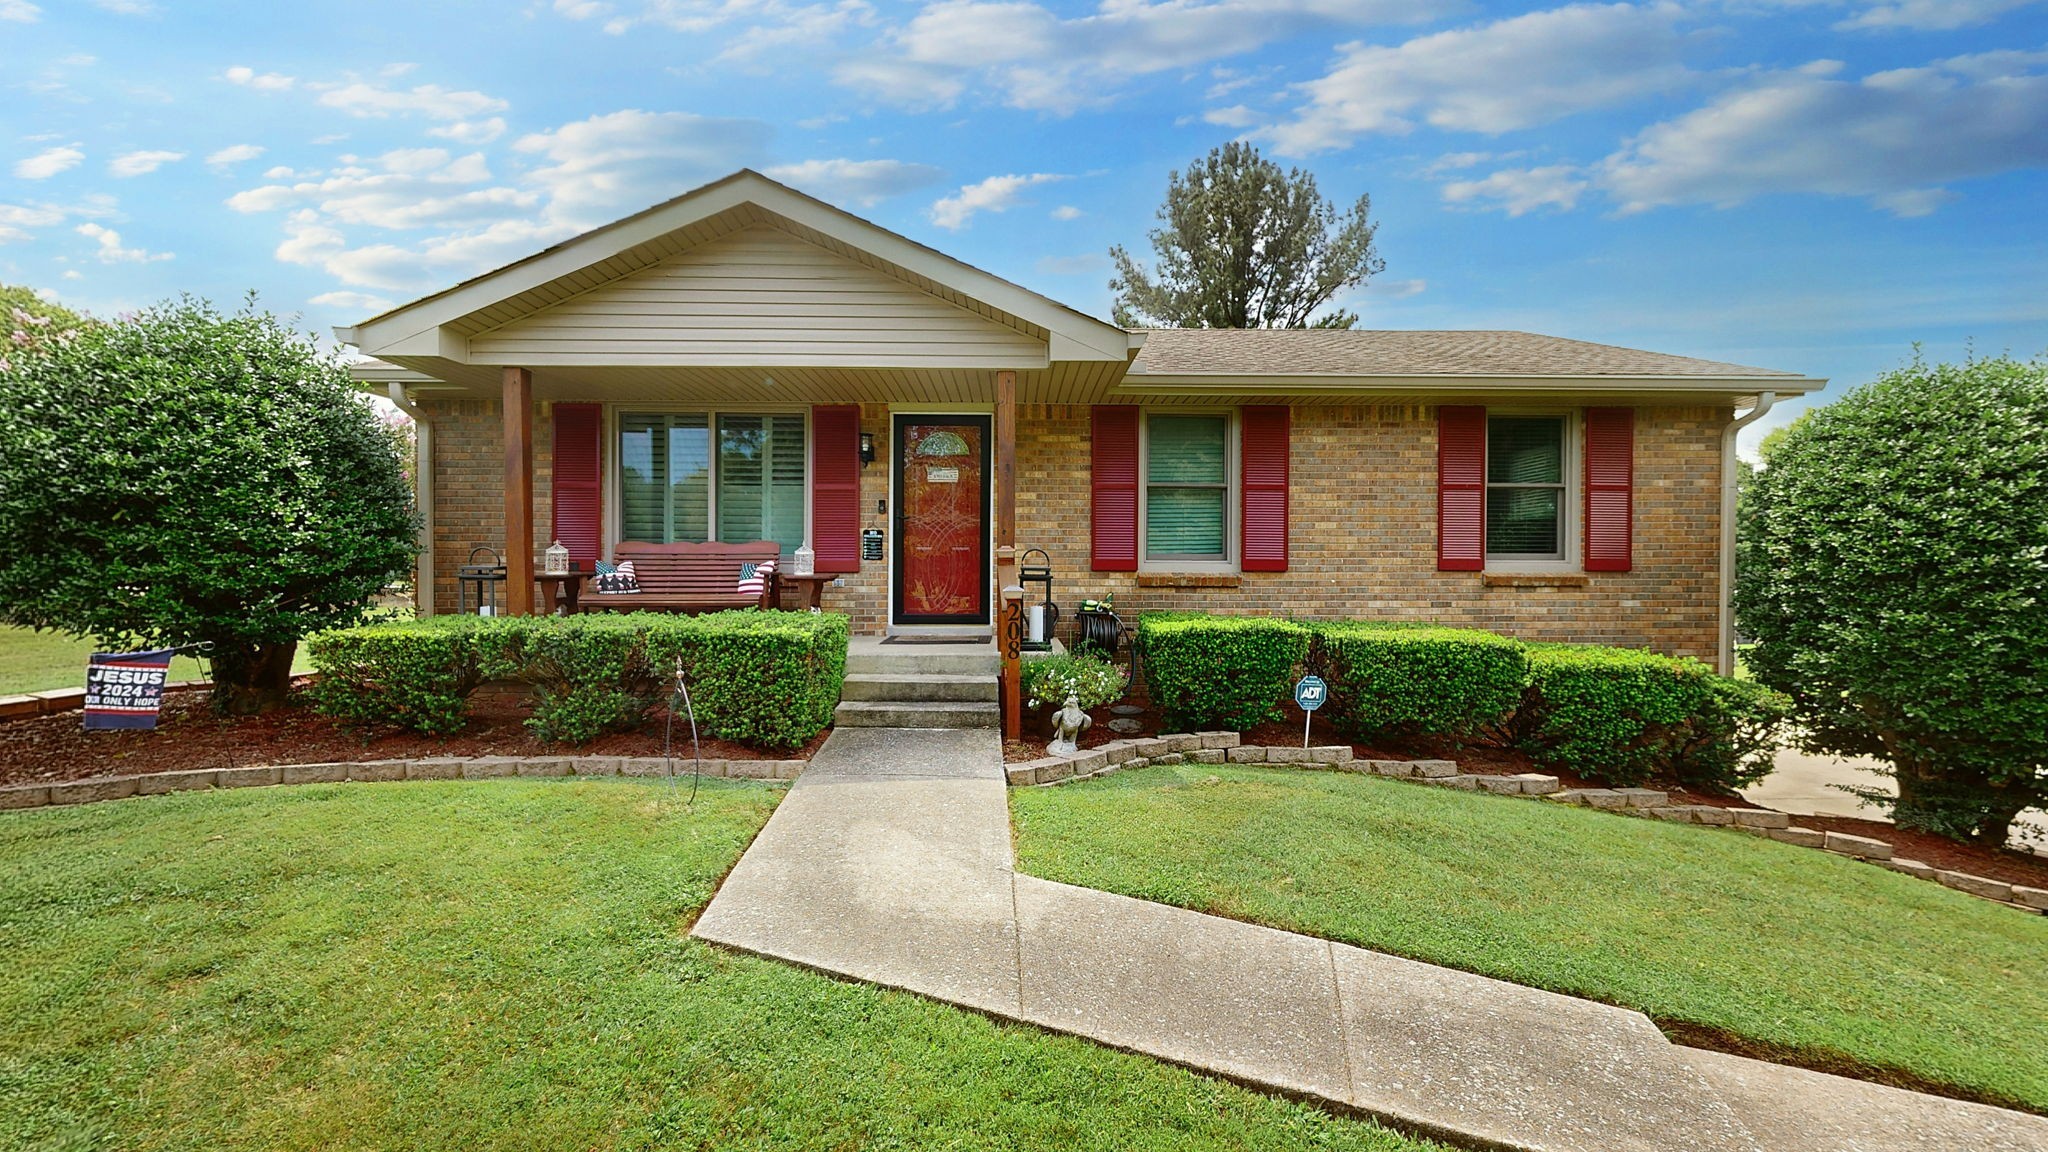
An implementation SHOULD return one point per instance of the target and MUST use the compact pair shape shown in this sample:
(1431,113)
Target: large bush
(1623,716)
(1392,681)
(764,678)
(190,476)
(1219,671)
(1896,586)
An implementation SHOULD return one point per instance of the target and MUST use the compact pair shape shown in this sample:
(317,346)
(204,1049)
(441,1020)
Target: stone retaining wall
(368,771)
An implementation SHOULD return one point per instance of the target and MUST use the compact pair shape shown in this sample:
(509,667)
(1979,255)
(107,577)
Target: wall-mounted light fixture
(867,449)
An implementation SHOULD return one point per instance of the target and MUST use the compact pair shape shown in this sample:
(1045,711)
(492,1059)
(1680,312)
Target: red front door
(941,522)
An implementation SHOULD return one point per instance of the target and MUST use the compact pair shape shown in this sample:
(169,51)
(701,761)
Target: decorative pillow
(606,567)
(754,577)
(619,579)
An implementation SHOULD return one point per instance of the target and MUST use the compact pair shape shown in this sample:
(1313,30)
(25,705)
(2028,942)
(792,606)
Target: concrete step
(868,656)
(919,687)
(916,714)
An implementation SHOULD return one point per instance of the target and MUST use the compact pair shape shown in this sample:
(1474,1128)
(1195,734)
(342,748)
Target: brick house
(747,363)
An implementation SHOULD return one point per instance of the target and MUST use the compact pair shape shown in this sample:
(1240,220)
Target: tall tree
(1893,576)
(1243,244)
(189,476)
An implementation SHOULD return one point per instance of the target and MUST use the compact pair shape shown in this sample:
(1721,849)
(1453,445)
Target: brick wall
(1363,504)
(469,478)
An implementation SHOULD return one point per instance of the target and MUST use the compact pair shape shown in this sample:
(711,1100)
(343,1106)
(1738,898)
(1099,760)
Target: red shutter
(578,469)
(1460,488)
(1262,459)
(1113,485)
(1610,483)
(835,487)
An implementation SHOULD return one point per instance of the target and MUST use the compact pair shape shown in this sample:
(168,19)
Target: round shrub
(1896,585)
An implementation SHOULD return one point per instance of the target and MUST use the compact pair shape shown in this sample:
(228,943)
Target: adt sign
(1310,693)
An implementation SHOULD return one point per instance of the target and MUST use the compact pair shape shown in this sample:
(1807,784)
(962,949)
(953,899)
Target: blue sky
(1811,185)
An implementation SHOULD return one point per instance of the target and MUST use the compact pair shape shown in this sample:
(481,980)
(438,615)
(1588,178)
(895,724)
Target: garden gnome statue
(1067,725)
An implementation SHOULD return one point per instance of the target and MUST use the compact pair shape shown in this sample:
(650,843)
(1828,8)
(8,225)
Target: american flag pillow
(620,579)
(754,577)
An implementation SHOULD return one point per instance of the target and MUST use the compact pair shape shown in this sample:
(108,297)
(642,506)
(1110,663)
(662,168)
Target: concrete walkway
(890,862)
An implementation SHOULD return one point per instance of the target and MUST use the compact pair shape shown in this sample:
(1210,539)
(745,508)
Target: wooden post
(1011,627)
(518,398)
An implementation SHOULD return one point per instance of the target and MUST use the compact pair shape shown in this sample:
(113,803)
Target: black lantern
(1039,618)
(867,449)
(480,580)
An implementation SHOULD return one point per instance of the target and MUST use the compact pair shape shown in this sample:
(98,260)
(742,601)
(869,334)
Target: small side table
(571,584)
(812,586)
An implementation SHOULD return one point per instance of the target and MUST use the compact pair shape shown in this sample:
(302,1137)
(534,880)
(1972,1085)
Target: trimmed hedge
(415,674)
(1622,716)
(1220,671)
(1396,681)
(764,678)
(1616,715)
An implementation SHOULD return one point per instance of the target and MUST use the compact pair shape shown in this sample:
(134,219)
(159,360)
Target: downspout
(423,489)
(1726,660)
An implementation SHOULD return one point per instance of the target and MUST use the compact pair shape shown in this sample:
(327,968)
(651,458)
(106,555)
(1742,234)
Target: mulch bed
(1994,863)
(190,736)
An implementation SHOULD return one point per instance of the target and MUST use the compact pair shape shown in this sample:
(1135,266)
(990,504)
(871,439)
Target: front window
(673,486)
(1525,487)
(1187,488)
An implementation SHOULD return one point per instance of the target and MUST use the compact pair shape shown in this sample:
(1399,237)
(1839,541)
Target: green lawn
(501,964)
(33,661)
(1802,953)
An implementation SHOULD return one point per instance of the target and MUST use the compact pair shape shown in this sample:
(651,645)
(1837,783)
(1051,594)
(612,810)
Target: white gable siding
(758,298)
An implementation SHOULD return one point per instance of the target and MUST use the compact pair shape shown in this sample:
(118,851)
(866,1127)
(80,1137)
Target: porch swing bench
(688,578)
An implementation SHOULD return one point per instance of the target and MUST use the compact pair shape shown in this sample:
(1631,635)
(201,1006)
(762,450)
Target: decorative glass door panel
(941,522)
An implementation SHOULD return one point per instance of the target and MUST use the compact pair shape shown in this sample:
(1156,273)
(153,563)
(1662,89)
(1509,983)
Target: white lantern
(805,562)
(555,561)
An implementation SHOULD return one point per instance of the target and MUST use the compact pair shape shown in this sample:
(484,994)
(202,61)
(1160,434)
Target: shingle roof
(1337,352)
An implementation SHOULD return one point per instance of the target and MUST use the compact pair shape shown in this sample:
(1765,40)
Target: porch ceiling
(1067,382)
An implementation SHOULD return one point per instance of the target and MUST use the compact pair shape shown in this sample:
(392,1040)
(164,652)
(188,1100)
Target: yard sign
(1310,692)
(125,689)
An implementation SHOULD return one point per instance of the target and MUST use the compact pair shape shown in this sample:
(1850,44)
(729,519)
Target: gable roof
(436,325)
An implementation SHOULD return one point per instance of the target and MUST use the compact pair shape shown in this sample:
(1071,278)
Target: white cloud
(19,11)
(995,194)
(111,251)
(862,182)
(1235,116)
(359,302)
(471,131)
(1931,15)
(1521,190)
(49,162)
(1035,58)
(17,219)
(264,81)
(429,100)
(1493,78)
(785,29)
(599,169)
(1894,138)
(234,154)
(142,163)
(1394,289)
(1067,212)
(585,173)
(125,7)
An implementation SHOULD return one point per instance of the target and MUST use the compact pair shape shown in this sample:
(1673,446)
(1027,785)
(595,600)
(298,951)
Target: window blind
(1187,486)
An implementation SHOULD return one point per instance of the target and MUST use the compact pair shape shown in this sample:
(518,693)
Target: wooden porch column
(518,398)
(1011,631)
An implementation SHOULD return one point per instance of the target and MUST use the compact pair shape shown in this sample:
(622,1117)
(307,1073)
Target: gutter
(423,495)
(1725,653)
